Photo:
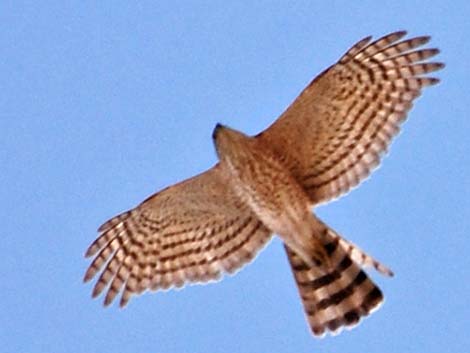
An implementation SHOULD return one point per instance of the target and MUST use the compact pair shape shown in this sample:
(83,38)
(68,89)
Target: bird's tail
(337,295)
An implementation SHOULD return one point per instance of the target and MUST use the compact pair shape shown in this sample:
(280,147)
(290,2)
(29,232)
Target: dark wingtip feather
(88,276)
(433,81)
(364,41)
(97,289)
(431,67)
(396,35)
(90,251)
(123,302)
(421,40)
(102,228)
(108,299)
(430,52)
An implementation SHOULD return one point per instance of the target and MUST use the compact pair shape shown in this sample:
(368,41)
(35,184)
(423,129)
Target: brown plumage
(325,143)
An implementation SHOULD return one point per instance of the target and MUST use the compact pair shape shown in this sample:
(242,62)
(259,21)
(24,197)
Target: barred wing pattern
(190,232)
(329,140)
(335,132)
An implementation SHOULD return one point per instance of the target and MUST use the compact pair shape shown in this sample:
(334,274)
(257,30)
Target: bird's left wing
(190,232)
(335,132)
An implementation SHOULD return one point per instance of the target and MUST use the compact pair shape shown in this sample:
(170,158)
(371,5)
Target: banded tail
(340,295)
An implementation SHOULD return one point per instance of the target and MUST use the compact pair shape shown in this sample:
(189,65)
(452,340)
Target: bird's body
(263,183)
(325,143)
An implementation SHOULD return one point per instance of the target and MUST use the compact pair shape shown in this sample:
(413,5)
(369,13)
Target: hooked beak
(217,128)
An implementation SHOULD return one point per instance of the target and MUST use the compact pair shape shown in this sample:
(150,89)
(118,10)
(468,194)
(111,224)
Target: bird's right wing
(190,232)
(335,132)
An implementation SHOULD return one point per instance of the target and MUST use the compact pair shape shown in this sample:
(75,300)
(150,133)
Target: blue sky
(104,103)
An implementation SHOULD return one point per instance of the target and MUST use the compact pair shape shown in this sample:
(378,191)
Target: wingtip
(107,301)
(384,270)
(96,290)
(89,252)
(123,302)
(86,278)
(103,227)
(435,66)
(422,39)
(433,52)
(433,81)
(398,34)
(89,274)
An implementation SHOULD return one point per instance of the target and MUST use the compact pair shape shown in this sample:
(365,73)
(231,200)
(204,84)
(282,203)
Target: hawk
(326,142)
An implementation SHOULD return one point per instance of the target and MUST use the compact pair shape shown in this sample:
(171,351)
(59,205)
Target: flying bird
(326,142)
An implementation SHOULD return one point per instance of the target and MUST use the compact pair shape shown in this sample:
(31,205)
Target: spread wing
(335,132)
(190,232)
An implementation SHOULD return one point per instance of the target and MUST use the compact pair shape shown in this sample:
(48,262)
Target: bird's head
(231,145)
